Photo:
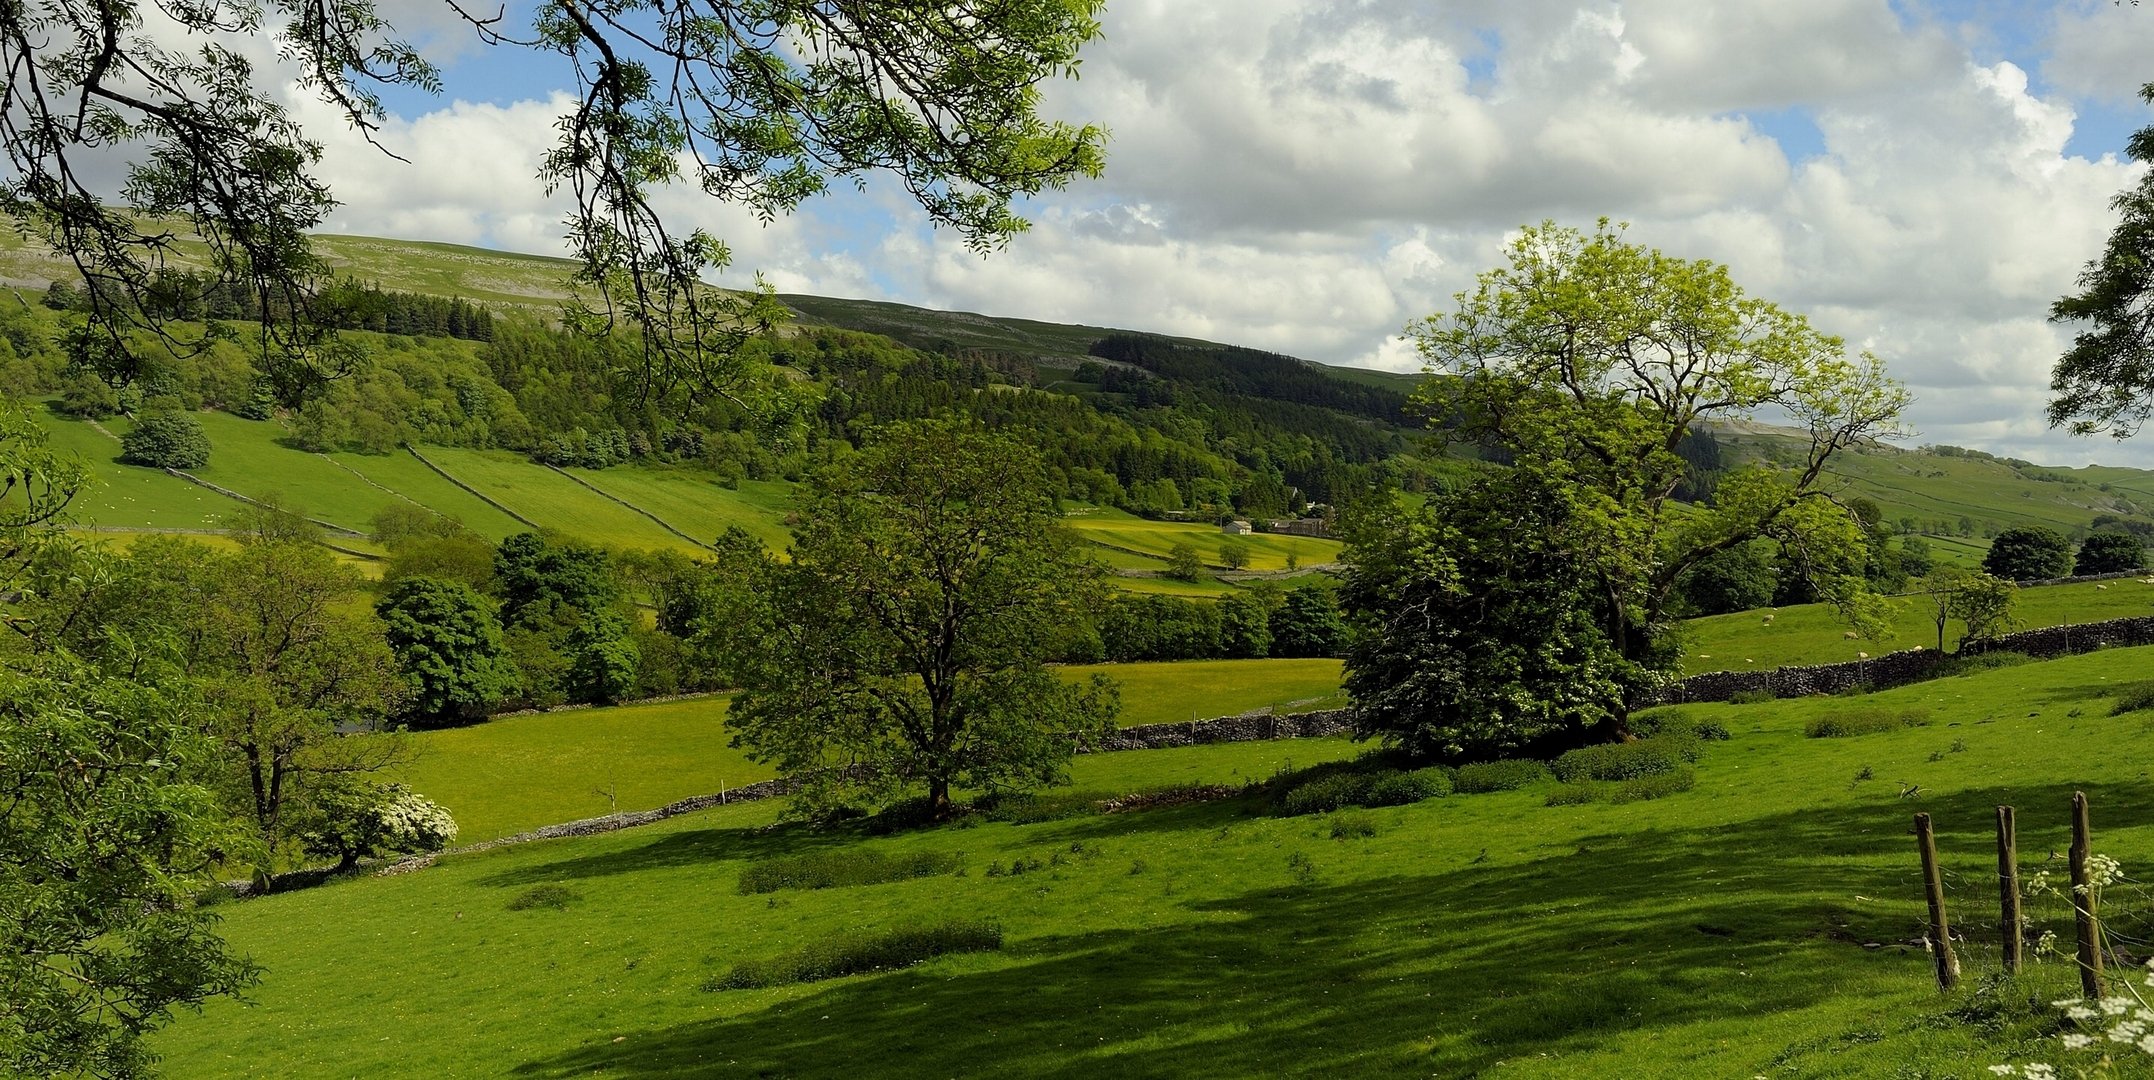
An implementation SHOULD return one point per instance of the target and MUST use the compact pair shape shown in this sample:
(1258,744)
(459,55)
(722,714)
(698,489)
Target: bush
(166,440)
(555,897)
(859,952)
(1752,697)
(1626,761)
(1624,791)
(1676,723)
(2134,697)
(2110,553)
(1328,793)
(1841,725)
(1986,661)
(835,869)
(1506,775)
(1029,808)
(1354,825)
(1400,789)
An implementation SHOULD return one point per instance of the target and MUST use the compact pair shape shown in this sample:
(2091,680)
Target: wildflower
(2082,1014)
(2004,1070)
(2035,1070)
(2075,1041)
(2116,1006)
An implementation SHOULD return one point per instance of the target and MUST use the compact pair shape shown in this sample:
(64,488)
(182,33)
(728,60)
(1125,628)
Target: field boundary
(604,494)
(228,493)
(468,489)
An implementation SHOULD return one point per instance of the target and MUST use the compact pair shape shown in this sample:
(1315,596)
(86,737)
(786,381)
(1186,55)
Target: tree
(1308,623)
(902,641)
(106,832)
(1732,579)
(1183,562)
(1234,554)
(2110,553)
(1982,601)
(757,103)
(166,440)
(1244,626)
(2028,553)
(1585,363)
(355,818)
(602,659)
(2105,381)
(448,646)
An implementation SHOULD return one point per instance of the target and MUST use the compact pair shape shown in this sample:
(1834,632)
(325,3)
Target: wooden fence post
(2008,888)
(1948,965)
(2085,920)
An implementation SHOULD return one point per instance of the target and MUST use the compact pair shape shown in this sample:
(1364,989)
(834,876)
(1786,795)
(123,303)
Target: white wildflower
(2035,1070)
(2114,1006)
(2146,1044)
(2075,1041)
(2082,1013)
(2004,1070)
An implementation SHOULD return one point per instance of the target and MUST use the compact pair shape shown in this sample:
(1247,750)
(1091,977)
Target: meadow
(1135,535)
(516,773)
(1766,922)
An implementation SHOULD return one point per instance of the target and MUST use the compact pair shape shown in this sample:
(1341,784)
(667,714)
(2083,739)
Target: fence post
(2008,888)
(1948,965)
(2085,920)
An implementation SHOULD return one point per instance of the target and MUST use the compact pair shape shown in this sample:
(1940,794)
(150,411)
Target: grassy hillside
(1765,923)
(1134,536)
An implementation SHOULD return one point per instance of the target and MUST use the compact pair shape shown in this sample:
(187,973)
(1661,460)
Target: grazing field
(694,503)
(1267,551)
(128,496)
(1814,634)
(552,499)
(1164,693)
(1767,922)
(409,477)
(521,772)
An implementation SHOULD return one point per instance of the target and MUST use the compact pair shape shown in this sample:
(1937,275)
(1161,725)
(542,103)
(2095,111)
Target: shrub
(835,869)
(1840,725)
(1399,789)
(1752,697)
(1618,792)
(1676,723)
(859,952)
(1329,793)
(1505,775)
(2135,697)
(1626,761)
(555,897)
(1353,825)
(1985,661)
(166,440)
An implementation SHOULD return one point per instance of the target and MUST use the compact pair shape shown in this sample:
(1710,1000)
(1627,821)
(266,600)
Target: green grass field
(1759,924)
(547,497)
(1814,634)
(694,503)
(410,478)
(1267,551)
(521,772)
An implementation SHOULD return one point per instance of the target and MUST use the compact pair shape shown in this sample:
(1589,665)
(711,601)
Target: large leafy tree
(105,831)
(1585,363)
(901,645)
(2028,553)
(448,646)
(2105,381)
(760,102)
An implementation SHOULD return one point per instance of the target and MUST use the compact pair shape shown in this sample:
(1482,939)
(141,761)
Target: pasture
(1133,534)
(1767,922)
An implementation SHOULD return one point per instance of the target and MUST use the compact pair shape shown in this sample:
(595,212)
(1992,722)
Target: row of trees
(2034,553)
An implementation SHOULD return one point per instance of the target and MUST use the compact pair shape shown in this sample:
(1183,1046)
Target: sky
(1922,177)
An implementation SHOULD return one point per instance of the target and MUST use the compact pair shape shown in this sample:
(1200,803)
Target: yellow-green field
(696,504)
(547,497)
(1267,551)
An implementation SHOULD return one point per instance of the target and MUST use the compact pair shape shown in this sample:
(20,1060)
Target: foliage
(1982,601)
(104,838)
(1531,605)
(1401,789)
(540,579)
(2109,553)
(166,440)
(1308,622)
(1234,554)
(1475,630)
(757,104)
(836,869)
(602,659)
(2134,698)
(1625,761)
(1868,721)
(1327,793)
(1183,563)
(903,641)
(2028,553)
(1738,578)
(855,952)
(448,646)
(1506,774)
(1636,789)
(354,818)
(1244,626)
(2105,381)
(399,524)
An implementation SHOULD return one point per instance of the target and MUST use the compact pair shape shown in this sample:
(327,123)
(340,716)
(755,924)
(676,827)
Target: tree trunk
(938,797)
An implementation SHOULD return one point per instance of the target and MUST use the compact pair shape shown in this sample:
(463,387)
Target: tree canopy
(759,103)
(901,644)
(2105,381)
(1584,364)
(2028,553)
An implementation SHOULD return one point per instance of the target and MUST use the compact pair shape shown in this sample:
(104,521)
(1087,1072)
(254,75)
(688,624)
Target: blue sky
(1921,176)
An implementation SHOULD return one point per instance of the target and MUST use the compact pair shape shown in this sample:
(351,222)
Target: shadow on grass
(1445,973)
(695,847)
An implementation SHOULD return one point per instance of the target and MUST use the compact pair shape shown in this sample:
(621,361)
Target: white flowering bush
(356,818)
(2097,1031)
